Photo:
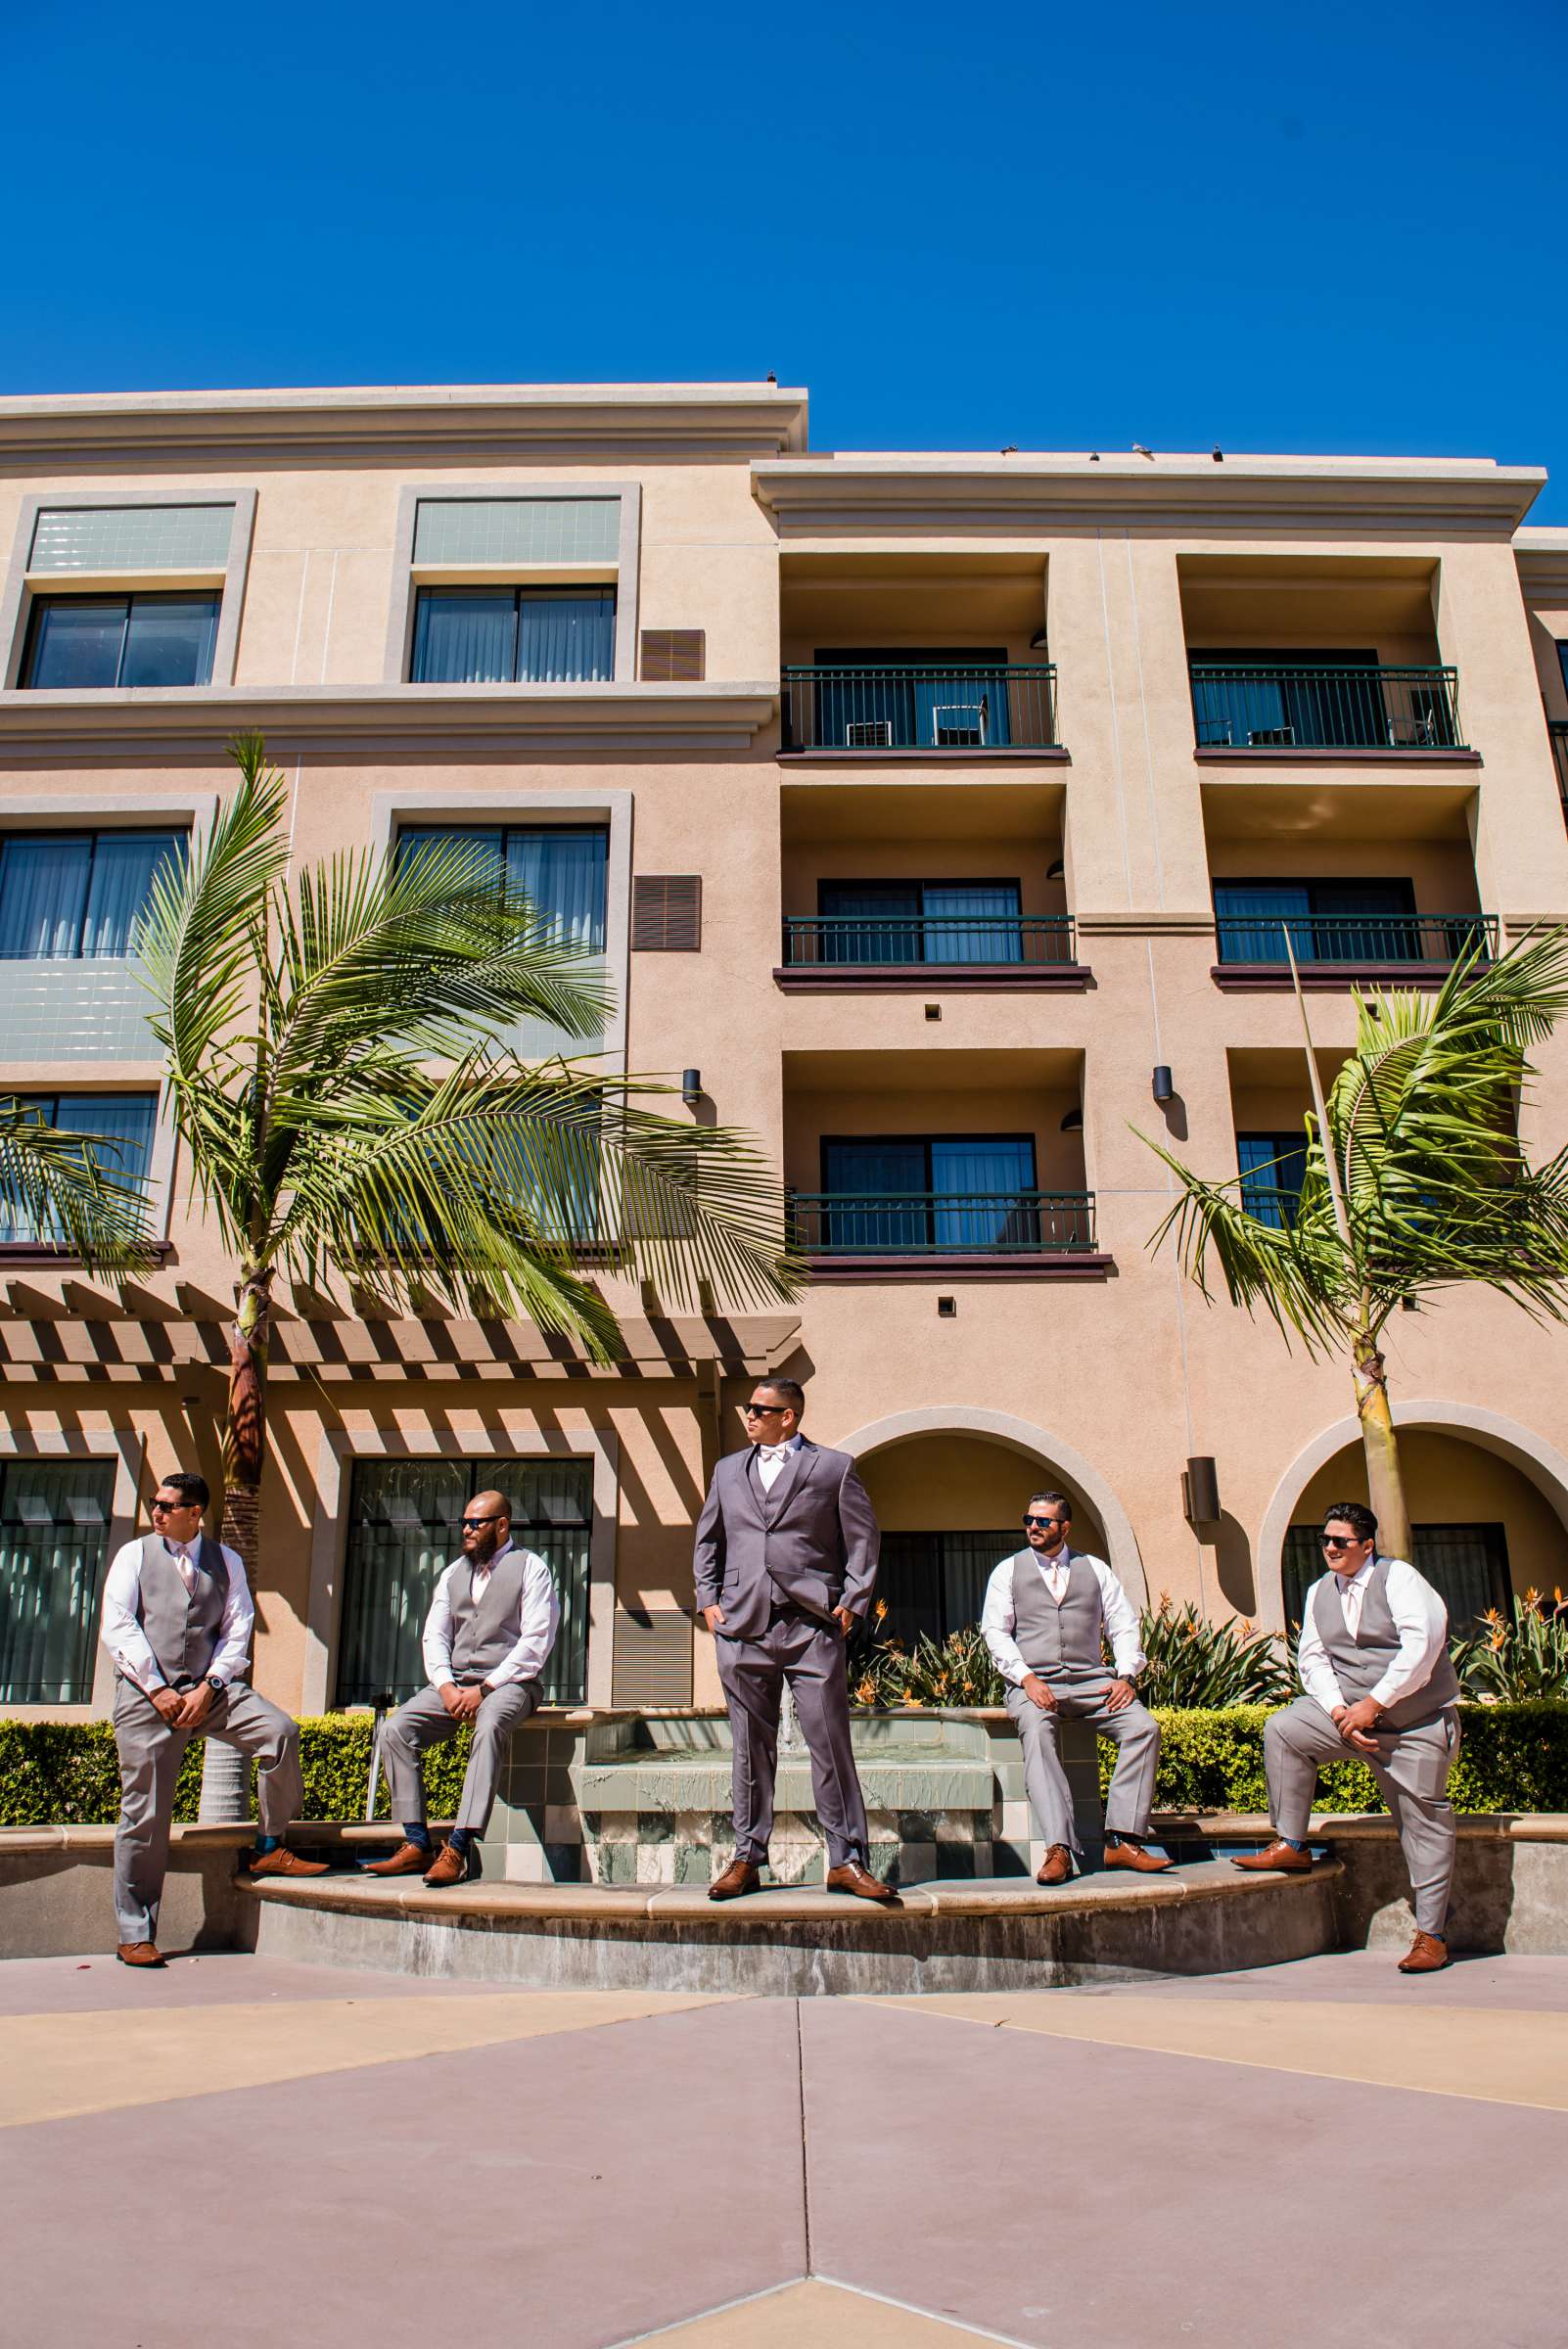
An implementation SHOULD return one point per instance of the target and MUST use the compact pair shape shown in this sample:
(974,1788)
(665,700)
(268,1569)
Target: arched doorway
(1488,1501)
(950,1489)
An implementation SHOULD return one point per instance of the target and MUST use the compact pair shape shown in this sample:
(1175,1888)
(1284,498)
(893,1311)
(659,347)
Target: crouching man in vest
(490,1627)
(1373,1660)
(177,1624)
(1047,1613)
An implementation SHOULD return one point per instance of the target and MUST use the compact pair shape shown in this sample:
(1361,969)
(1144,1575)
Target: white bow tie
(776,1452)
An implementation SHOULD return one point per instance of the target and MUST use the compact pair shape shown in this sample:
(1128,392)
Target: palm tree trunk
(1385,1486)
(225,1775)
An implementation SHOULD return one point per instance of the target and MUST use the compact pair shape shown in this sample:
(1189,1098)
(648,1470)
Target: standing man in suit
(488,1633)
(1373,1660)
(786,1559)
(177,1623)
(1048,1615)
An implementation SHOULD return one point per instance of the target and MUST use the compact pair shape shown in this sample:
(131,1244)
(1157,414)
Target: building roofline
(1468,495)
(1541,554)
(457,419)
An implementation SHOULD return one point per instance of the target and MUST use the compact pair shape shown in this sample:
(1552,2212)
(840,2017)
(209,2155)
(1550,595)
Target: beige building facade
(946,814)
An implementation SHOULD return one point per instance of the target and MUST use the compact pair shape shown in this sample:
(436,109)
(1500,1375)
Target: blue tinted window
(65,893)
(80,642)
(512,635)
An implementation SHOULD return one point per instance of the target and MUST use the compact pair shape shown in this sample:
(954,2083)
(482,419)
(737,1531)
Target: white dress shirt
(771,1459)
(1420,1617)
(999,1617)
(127,1643)
(541,1619)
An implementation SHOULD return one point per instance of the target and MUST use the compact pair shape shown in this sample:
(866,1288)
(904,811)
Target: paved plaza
(1313,2154)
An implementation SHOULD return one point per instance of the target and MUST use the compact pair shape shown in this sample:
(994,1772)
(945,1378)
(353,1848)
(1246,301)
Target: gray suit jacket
(814,1541)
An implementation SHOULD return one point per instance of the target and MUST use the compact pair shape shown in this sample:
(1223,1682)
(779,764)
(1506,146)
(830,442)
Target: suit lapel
(746,1479)
(790,1480)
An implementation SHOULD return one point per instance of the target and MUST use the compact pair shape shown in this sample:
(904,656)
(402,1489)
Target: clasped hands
(462,1703)
(182,1708)
(1118,1696)
(1354,1722)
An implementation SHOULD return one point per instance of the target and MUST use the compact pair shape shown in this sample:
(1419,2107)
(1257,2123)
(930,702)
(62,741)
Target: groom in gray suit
(786,1559)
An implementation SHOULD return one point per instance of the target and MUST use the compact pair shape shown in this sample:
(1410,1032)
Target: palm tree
(339,1073)
(70,1189)
(1415,1181)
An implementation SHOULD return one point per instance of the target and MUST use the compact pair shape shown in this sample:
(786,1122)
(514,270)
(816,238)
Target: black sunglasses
(471,1525)
(1048,1521)
(763,1410)
(1337,1540)
(167,1508)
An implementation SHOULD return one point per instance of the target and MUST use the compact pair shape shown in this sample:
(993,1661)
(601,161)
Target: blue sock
(417,1832)
(266,1843)
(460,1838)
(1294,1845)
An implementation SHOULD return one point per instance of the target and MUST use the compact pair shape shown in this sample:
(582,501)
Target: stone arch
(1040,1449)
(1539,1462)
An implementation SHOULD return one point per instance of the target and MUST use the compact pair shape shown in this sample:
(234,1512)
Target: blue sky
(1335,229)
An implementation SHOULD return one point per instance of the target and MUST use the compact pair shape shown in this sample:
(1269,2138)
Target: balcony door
(1326,921)
(943,1191)
(1303,697)
(920,921)
(914,698)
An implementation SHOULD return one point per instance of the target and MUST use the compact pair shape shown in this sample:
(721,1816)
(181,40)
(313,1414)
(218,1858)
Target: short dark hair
(1057,1501)
(1356,1515)
(187,1484)
(788,1390)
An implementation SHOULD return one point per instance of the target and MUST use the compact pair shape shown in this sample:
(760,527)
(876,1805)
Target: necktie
(187,1571)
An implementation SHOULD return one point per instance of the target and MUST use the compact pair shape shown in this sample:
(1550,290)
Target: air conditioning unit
(868,734)
(1271,738)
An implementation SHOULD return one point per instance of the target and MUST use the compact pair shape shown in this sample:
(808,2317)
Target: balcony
(1337,951)
(914,1233)
(1294,708)
(859,953)
(960,710)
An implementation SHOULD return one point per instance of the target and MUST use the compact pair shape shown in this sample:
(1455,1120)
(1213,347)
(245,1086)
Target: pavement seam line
(721,2308)
(806,2159)
(931,2316)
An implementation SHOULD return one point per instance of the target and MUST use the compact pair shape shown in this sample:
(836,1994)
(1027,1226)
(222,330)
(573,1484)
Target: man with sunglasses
(1049,1610)
(786,1559)
(178,1622)
(488,1633)
(1373,1660)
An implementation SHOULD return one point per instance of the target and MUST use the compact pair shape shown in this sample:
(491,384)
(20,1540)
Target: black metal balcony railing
(1356,937)
(940,1222)
(963,706)
(1288,707)
(946,941)
(1557,728)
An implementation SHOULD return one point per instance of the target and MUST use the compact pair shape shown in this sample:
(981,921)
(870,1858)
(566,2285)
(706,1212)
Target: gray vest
(181,1626)
(1059,1641)
(485,1634)
(1360,1663)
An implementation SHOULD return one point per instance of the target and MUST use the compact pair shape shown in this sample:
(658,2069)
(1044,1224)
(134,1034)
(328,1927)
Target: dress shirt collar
(1057,1563)
(779,1451)
(1347,1583)
(478,1566)
(191,1549)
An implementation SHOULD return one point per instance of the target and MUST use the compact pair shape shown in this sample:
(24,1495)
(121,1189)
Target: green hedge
(58,1774)
(1513,1758)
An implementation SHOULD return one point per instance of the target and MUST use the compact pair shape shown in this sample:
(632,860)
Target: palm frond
(1295,1271)
(71,1190)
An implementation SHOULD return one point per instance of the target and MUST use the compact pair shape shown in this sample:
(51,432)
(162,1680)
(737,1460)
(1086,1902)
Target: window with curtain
(935,1584)
(54,1544)
(513,635)
(1467,1565)
(403,1521)
(122,1124)
(948,1190)
(953,921)
(1326,921)
(1273,1168)
(561,870)
(915,697)
(1279,700)
(77,642)
(65,895)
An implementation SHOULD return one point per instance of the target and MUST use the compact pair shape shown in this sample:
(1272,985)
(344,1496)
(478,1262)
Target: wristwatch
(217,1687)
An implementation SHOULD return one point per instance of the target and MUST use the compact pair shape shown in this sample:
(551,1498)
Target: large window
(919,921)
(80,641)
(513,635)
(946,1190)
(65,895)
(1325,921)
(1274,1168)
(1467,1565)
(932,698)
(123,1126)
(54,1535)
(561,870)
(403,1530)
(935,1584)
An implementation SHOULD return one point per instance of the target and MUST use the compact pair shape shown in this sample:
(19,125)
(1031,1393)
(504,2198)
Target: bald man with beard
(489,1630)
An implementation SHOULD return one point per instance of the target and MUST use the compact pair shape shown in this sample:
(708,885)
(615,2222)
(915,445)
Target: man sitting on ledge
(1373,1660)
(177,1623)
(1048,1611)
(489,1630)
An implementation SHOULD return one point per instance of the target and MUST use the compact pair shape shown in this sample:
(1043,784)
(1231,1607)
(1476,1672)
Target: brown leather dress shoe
(453,1867)
(139,1953)
(408,1859)
(1122,1854)
(284,1863)
(740,1876)
(1056,1866)
(1278,1855)
(1428,1956)
(852,1877)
